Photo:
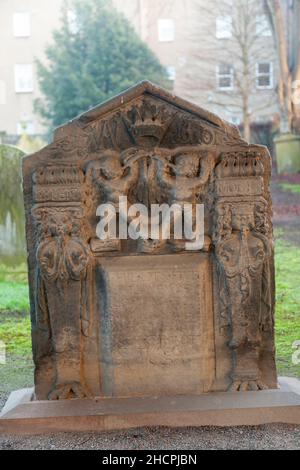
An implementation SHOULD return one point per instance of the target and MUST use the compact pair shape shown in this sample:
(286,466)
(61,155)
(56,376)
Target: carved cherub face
(242,221)
(186,165)
(111,168)
(59,224)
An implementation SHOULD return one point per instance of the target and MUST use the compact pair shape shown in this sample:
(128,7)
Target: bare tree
(284,24)
(238,49)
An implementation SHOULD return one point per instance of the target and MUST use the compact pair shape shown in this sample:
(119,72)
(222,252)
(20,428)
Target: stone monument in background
(147,317)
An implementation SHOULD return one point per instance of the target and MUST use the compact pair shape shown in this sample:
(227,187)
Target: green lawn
(15,330)
(290,187)
(14,308)
(287,305)
(15,324)
(13,296)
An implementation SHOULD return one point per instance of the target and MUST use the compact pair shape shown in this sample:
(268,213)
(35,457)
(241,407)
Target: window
(224,27)
(22,25)
(264,75)
(263,28)
(23,78)
(26,127)
(225,77)
(171,71)
(166,30)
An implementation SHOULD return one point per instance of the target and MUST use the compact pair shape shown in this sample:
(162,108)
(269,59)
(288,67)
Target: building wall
(191,55)
(195,53)
(145,15)
(18,107)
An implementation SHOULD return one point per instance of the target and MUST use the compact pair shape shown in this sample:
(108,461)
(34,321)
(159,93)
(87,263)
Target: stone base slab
(22,416)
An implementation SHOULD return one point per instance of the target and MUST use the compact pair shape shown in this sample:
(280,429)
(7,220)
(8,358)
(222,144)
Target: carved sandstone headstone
(146,316)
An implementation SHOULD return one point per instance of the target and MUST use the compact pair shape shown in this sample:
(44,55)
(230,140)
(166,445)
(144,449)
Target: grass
(15,333)
(14,308)
(15,323)
(13,296)
(290,187)
(14,273)
(287,305)
(13,288)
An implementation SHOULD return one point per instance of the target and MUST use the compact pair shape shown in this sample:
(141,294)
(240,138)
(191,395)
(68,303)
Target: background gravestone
(146,317)
(12,221)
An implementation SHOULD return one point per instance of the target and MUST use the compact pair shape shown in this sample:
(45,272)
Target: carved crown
(148,123)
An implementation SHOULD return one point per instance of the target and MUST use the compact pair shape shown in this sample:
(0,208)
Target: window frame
(19,89)
(221,22)
(160,29)
(28,29)
(26,126)
(262,31)
(259,74)
(219,75)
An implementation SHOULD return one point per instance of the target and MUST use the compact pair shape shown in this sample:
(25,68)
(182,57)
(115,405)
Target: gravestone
(148,317)
(12,220)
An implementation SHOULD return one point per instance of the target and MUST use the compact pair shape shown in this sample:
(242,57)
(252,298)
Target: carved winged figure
(183,180)
(115,174)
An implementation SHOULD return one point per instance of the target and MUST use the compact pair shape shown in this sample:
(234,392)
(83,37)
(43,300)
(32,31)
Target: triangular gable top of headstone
(148,89)
(132,116)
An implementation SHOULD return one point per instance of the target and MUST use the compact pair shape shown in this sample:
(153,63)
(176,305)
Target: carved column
(243,246)
(61,275)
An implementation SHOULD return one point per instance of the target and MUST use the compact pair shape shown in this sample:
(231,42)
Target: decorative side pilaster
(243,248)
(62,273)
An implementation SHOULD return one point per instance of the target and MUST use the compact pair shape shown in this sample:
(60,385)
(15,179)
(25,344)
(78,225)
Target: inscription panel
(160,325)
(252,186)
(57,194)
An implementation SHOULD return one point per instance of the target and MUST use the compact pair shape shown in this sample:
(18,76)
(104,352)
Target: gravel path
(269,437)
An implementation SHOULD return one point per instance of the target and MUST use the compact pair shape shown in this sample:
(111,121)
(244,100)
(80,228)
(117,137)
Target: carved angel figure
(182,187)
(243,254)
(112,176)
(182,181)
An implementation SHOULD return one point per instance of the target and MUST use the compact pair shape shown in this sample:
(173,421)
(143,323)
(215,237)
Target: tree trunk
(246,116)
(247,127)
(285,79)
(296,77)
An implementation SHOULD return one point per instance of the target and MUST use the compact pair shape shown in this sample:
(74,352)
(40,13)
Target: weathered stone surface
(157,331)
(143,317)
(105,414)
